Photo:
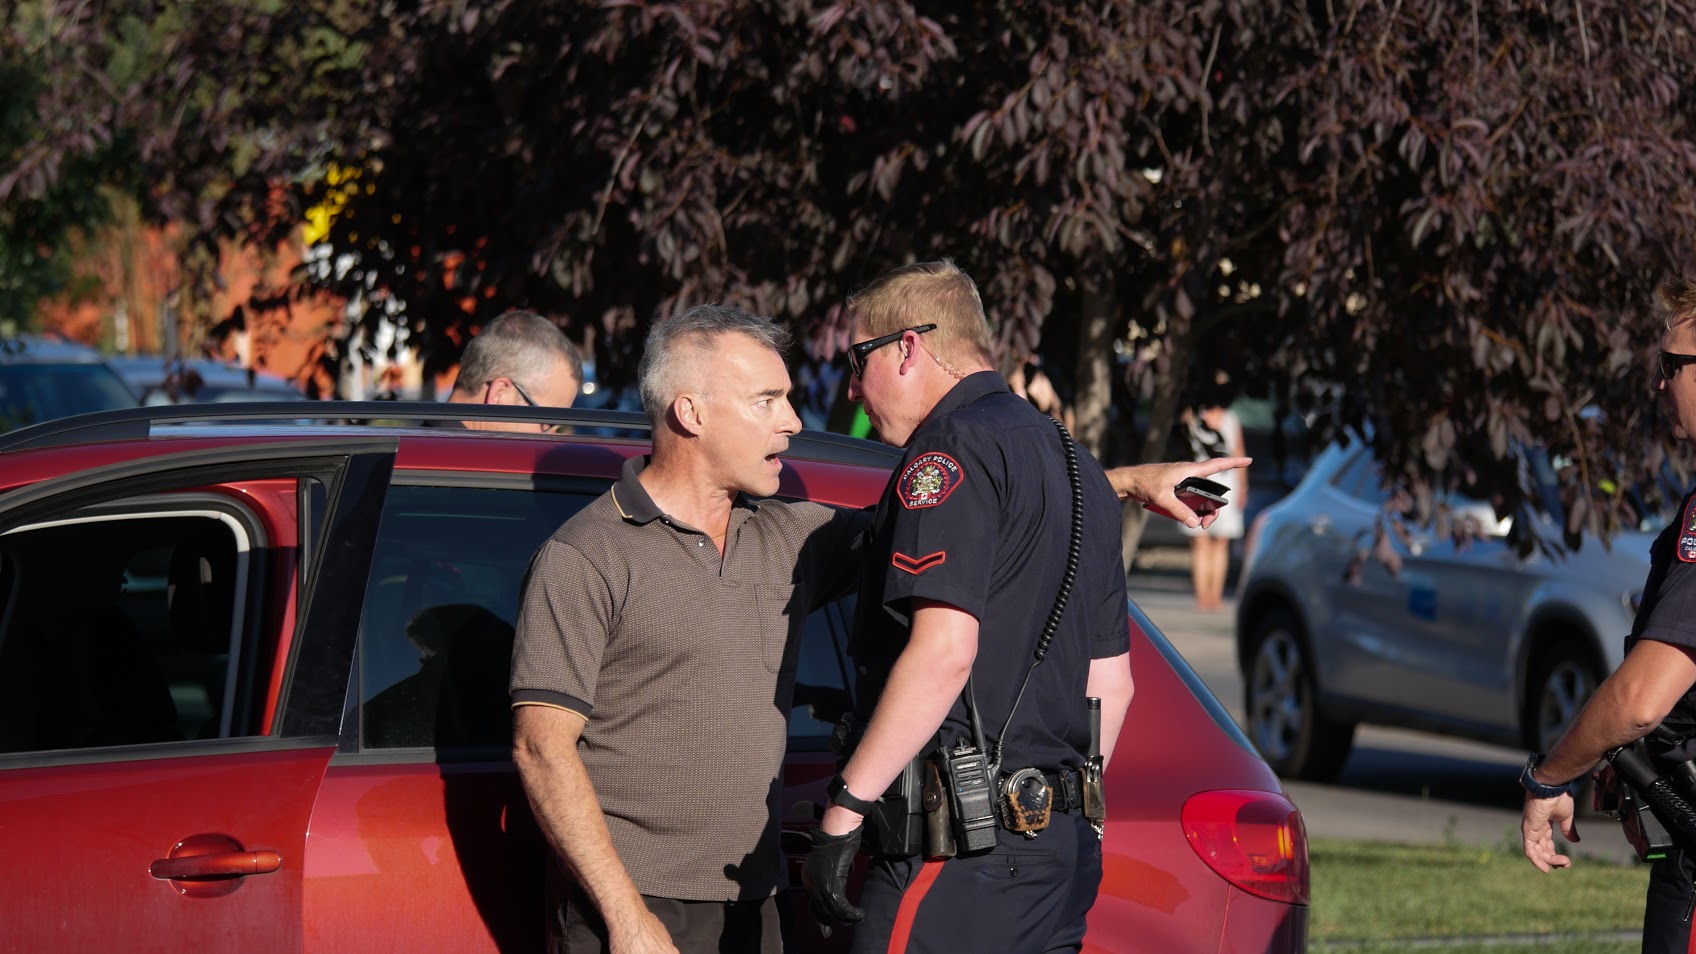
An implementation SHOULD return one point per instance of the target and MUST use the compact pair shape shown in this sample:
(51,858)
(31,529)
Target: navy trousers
(1666,914)
(1025,895)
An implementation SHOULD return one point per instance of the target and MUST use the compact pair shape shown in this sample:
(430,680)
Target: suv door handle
(212,865)
(234,864)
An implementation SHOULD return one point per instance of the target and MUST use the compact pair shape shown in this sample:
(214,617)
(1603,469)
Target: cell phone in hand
(1199,494)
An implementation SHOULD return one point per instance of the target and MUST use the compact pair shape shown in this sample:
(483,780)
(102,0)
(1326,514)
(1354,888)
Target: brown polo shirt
(683,667)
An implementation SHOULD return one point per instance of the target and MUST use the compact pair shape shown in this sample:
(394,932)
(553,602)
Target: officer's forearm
(922,687)
(568,811)
(1110,681)
(1652,677)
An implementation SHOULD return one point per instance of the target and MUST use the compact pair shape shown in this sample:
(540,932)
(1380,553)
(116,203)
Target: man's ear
(909,355)
(687,409)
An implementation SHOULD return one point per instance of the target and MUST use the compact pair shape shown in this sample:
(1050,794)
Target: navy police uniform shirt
(1668,611)
(978,516)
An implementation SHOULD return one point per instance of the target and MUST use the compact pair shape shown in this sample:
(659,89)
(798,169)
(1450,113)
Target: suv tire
(1284,720)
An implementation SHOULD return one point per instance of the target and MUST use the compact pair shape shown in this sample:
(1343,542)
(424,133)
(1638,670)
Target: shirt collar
(973,386)
(633,502)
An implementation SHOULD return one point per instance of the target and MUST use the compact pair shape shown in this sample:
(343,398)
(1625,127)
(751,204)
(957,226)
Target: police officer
(1656,682)
(966,554)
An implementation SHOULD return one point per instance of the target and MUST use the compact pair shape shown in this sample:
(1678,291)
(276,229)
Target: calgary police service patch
(1687,532)
(928,480)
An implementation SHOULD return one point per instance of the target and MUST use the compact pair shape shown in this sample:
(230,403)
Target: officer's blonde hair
(1677,300)
(928,293)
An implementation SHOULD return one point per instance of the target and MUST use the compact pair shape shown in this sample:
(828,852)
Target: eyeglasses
(1668,362)
(857,353)
(522,393)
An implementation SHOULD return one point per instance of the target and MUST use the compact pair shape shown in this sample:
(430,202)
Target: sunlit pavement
(1397,785)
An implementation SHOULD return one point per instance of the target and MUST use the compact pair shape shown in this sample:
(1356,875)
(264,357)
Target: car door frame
(280,768)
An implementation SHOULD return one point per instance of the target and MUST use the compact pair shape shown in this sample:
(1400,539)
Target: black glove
(825,875)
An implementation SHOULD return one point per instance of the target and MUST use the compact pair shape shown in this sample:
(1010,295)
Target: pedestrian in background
(1214,433)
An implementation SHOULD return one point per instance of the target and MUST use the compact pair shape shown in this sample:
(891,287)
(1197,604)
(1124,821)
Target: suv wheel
(1563,678)
(1283,718)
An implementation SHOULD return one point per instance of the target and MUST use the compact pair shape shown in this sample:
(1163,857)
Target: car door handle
(233,864)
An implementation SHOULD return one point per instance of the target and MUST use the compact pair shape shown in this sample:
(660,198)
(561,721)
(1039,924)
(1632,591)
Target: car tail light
(1254,840)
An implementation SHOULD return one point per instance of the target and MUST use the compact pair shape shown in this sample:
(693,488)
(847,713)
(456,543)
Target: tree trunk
(1162,413)
(1100,322)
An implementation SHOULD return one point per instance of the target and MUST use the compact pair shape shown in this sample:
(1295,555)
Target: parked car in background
(43,378)
(157,379)
(1463,637)
(254,695)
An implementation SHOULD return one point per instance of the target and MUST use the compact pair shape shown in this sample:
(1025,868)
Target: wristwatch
(838,794)
(1529,782)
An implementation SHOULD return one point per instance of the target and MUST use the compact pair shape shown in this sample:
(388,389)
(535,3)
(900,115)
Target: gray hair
(520,345)
(669,358)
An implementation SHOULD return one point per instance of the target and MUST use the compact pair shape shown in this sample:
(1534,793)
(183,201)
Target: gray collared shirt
(683,666)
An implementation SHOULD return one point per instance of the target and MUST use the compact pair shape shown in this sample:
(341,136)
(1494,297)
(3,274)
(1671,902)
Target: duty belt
(1066,788)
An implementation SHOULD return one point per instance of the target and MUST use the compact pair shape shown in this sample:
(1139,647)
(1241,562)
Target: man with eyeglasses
(1655,684)
(966,554)
(520,358)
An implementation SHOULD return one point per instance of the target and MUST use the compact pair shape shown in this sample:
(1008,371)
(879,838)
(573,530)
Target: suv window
(436,634)
(1359,478)
(121,626)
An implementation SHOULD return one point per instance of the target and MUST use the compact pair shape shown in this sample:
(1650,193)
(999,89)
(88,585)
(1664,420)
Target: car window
(1359,478)
(436,633)
(31,393)
(823,678)
(131,623)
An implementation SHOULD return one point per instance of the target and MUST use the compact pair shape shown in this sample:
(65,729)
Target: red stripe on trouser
(909,910)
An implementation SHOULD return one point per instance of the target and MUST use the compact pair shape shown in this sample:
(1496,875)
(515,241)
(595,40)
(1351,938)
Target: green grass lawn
(1375,897)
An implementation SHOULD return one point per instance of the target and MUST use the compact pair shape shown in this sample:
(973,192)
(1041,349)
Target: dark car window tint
(1359,478)
(823,678)
(30,392)
(119,630)
(436,635)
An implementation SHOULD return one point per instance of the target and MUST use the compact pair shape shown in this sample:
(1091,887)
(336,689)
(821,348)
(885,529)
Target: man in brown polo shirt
(655,656)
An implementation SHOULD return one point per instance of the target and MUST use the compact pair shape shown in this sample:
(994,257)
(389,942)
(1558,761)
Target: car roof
(279,419)
(43,349)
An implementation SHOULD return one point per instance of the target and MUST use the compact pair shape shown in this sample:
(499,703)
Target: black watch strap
(1538,789)
(837,792)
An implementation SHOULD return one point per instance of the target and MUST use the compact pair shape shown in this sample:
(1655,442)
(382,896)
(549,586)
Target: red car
(253,695)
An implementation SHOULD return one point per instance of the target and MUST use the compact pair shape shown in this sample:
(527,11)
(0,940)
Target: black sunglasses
(522,393)
(857,353)
(1670,361)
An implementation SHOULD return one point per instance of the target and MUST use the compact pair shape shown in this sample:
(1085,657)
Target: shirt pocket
(773,606)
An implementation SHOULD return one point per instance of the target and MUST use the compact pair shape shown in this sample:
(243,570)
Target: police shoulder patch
(1687,532)
(928,480)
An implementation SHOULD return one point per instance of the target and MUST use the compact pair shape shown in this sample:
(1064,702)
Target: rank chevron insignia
(917,565)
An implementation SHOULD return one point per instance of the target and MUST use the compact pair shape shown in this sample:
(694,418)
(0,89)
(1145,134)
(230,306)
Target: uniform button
(700,543)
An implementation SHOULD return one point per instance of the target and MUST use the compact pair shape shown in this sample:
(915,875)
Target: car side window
(130,624)
(823,676)
(437,628)
(1359,478)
